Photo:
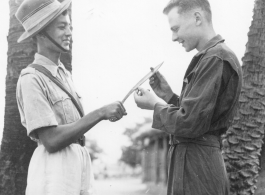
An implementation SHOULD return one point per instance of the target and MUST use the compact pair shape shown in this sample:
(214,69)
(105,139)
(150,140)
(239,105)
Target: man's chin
(66,49)
(187,49)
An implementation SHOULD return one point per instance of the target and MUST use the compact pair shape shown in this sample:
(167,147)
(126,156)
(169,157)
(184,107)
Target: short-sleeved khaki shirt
(41,102)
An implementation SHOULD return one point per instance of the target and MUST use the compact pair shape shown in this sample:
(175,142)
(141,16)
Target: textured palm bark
(16,147)
(243,142)
(261,178)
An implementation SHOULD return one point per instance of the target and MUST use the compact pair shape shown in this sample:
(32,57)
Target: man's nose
(69,31)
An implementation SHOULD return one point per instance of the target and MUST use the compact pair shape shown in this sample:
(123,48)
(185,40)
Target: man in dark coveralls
(196,119)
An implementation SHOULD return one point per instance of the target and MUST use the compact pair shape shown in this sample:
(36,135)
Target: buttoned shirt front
(40,101)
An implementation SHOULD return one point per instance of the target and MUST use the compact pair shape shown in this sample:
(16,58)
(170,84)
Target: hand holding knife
(150,74)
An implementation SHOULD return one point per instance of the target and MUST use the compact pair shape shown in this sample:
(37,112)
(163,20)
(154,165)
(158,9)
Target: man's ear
(198,18)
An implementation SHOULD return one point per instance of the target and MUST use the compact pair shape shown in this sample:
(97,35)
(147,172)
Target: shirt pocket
(62,106)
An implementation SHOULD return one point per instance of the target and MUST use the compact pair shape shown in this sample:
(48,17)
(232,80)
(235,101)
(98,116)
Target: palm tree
(16,147)
(243,141)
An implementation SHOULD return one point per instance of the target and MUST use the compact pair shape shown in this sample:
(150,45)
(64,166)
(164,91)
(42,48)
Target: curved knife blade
(151,73)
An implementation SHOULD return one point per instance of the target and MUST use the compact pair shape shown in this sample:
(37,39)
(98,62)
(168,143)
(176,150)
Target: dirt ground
(127,186)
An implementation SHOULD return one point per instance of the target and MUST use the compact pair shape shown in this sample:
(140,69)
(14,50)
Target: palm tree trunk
(261,178)
(243,141)
(16,147)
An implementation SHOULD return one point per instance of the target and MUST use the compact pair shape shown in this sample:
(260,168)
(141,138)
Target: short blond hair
(187,5)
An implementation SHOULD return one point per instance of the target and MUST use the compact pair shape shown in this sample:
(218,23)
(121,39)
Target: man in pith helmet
(52,113)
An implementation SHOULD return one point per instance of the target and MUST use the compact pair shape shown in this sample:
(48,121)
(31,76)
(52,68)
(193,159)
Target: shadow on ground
(128,186)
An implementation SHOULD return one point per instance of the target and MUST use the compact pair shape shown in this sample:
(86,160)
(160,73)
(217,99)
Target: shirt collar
(48,64)
(213,42)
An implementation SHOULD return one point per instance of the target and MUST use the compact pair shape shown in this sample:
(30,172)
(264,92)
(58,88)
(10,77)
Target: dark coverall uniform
(197,118)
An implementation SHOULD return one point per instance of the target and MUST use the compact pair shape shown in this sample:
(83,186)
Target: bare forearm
(58,137)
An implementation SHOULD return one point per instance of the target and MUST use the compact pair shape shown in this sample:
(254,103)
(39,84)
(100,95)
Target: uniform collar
(213,42)
(48,64)
(210,44)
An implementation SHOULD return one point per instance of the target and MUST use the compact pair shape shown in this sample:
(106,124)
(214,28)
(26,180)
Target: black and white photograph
(122,97)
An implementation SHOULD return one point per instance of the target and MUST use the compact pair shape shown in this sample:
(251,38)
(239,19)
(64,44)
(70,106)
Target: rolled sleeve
(193,117)
(34,107)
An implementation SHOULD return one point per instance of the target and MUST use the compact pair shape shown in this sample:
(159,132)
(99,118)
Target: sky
(114,45)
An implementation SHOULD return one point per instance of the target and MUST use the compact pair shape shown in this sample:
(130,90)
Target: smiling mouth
(182,43)
(67,41)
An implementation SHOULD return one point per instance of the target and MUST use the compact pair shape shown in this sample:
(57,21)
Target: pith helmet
(34,15)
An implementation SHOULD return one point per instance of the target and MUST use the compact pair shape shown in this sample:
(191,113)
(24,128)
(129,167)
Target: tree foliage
(131,154)
(94,149)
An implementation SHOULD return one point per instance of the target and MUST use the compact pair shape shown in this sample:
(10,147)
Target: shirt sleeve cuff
(157,122)
(174,100)
(42,122)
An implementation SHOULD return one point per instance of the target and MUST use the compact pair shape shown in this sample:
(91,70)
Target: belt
(205,140)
